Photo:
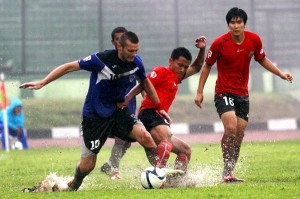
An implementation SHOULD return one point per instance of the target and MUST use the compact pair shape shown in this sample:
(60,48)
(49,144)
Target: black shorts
(151,118)
(228,102)
(96,131)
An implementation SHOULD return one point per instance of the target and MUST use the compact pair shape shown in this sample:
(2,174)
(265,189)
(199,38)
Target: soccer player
(166,81)
(112,72)
(233,51)
(111,167)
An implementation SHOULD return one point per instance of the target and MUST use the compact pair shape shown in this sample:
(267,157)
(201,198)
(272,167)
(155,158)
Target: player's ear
(170,61)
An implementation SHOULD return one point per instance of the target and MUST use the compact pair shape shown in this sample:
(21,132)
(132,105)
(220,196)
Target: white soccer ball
(153,178)
(17,146)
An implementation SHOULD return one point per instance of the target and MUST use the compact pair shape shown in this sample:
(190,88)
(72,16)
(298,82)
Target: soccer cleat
(174,177)
(106,168)
(172,172)
(232,178)
(115,175)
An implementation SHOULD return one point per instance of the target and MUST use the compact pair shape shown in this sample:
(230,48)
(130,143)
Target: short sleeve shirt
(233,61)
(110,81)
(165,82)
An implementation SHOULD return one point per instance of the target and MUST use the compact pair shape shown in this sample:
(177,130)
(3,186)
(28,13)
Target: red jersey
(165,82)
(233,61)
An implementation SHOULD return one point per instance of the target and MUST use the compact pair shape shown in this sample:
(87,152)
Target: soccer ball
(17,146)
(153,178)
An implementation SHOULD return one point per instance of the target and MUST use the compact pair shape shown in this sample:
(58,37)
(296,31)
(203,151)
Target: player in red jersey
(233,51)
(165,81)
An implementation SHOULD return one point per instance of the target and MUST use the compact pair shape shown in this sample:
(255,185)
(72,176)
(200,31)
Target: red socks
(163,151)
(182,161)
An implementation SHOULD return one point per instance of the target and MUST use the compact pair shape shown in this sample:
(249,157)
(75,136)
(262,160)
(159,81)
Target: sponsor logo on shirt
(114,66)
(261,51)
(88,58)
(153,75)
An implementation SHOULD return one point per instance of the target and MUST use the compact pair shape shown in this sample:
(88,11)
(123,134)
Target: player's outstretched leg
(143,137)
(76,182)
(229,158)
(183,152)
(86,165)
(163,151)
(182,161)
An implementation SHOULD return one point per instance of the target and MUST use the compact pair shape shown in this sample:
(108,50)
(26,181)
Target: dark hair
(236,12)
(119,29)
(131,36)
(181,51)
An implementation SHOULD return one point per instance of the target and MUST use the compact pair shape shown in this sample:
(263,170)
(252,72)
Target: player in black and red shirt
(165,81)
(233,51)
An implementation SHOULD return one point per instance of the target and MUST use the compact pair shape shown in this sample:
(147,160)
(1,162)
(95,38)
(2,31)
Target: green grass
(271,170)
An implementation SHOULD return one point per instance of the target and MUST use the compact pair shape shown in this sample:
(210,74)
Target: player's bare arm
(267,64)
(195,67)
(151,92)
(132,93)
(202,80)
(53,75)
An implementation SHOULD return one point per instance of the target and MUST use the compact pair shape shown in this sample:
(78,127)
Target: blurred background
(38,35)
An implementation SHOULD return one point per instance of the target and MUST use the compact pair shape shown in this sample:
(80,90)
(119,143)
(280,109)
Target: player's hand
(32,85)
(200,42)
(199,99)
(121,105)
(165,115)
(287,76)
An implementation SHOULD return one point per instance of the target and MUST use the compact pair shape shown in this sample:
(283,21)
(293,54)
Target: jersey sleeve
(259,52)
(91,63)
(213,53)
(156,75)
(141,73)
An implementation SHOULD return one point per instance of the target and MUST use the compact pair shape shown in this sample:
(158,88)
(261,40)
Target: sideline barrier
(177,128)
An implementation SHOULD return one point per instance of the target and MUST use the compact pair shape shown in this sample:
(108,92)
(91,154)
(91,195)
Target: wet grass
(271,170)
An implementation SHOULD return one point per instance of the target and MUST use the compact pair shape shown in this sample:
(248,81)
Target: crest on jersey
(131,78)
(153,74)
(209,54)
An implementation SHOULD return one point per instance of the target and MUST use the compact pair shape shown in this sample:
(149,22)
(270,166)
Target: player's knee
(230,130)
(146,140)
(188,150)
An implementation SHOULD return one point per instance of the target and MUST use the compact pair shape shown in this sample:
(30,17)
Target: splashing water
(197,176)
(51,183)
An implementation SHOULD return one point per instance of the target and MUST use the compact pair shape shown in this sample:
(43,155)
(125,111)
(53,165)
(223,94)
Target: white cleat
(171,172)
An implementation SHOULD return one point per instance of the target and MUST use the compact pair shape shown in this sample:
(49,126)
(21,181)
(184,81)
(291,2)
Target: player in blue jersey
(112,73)
(111,167)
